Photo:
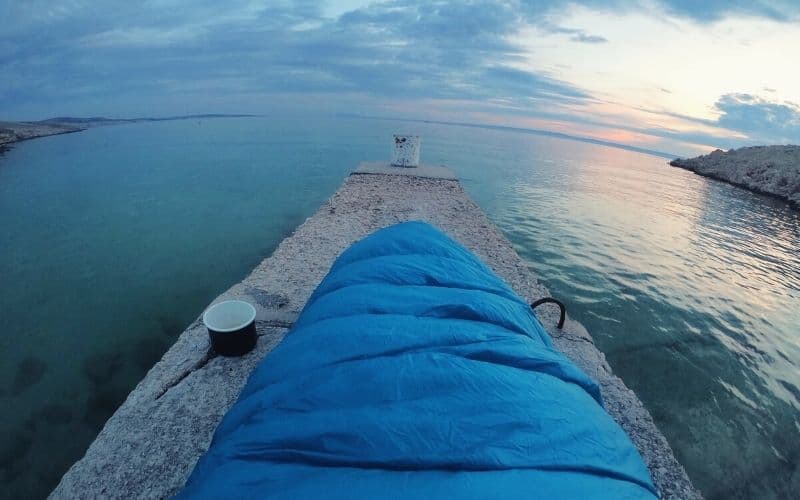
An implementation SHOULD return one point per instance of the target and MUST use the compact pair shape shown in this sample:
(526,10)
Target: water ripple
(690,288)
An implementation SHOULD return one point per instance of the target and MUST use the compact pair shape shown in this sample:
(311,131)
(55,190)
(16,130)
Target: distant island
(773,170)
(11,132)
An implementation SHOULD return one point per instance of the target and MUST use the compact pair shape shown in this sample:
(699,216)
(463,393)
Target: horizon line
(533,131)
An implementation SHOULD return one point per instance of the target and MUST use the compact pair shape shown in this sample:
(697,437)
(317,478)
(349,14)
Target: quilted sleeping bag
(415,372)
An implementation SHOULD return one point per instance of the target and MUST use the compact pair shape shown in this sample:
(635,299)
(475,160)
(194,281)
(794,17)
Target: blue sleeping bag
(415,372)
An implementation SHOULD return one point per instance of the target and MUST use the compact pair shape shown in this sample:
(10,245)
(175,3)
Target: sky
(680,76)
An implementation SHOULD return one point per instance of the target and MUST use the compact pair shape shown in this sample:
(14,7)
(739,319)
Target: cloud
(714,10)
(742,119)
(759,118)
(396,49)
(140,37)
(578,35)
(526,84)
(166,56)
(584,38)
(702,11)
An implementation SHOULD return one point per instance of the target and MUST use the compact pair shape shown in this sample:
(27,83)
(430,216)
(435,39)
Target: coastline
(769,170)
(151,443)
(14,132)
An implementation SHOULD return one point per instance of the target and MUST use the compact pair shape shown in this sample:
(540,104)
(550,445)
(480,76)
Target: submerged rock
(102,403)
(46,417)
(101,368)
(772,170)
(13,447)
(29,372)
(55,414)
(169,325)
(147,351)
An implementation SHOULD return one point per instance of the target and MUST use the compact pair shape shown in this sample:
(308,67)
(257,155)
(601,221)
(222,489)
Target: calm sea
(114,239)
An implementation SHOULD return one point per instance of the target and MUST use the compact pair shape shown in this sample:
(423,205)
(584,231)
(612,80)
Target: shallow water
(115,238)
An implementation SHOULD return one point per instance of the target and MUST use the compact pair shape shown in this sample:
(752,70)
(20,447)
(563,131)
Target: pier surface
(148,448)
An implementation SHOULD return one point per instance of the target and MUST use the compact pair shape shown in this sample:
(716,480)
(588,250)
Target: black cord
(561,307)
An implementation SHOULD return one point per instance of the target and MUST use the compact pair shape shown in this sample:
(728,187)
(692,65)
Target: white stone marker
(405,152)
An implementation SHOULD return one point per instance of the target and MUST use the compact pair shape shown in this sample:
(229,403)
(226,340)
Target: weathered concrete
(150,445)
(425,171)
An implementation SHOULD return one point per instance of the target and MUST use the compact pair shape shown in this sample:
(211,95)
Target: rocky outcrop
(11,132)
(772,170)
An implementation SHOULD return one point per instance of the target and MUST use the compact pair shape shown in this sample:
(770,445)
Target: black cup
(231,327)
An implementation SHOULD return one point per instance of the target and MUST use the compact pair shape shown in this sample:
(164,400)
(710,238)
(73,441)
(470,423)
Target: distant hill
(773,170)
(101,120)
(11,132)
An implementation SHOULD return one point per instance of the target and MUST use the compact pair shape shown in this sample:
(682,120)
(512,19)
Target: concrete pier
(150,445)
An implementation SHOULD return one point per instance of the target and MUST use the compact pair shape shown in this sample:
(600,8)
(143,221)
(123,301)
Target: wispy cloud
(713,10)
(141,37)
(584,38)
(739,117)
(760,118)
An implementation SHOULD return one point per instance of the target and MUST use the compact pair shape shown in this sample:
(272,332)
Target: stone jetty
(150,445)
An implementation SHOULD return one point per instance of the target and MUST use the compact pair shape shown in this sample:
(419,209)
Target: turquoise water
(115,238)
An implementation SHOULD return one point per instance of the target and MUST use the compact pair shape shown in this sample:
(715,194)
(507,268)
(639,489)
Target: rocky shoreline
(773,170)
(11,132)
